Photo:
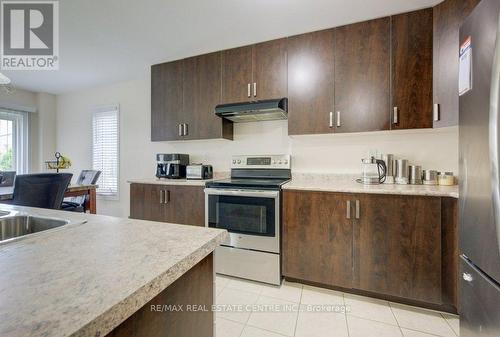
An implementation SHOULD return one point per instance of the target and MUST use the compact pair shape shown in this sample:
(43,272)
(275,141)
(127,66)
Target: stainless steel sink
(17,226)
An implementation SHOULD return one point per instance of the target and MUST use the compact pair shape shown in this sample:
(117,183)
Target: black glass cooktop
(247,183)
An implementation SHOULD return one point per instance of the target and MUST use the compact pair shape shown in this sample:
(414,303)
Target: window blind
(105,149)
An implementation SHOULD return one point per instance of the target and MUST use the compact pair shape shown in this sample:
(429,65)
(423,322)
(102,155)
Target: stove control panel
(282,161)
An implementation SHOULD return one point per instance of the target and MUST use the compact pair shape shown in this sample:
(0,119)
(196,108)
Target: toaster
(199,172)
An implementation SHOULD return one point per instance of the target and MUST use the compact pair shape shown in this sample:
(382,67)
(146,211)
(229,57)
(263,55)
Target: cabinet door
(146,202)
(412,70)
(317,238)
(202,92)
(310,82)
(186,205)
(237,75)
(362,76)
(397,246)
(269,70)
(448,16)
(166,100)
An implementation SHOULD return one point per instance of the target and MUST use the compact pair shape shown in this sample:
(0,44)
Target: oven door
(251,217)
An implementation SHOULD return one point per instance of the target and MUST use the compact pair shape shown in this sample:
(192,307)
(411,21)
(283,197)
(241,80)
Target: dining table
(89,191)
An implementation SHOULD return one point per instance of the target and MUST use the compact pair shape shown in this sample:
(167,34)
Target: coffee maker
(171,165)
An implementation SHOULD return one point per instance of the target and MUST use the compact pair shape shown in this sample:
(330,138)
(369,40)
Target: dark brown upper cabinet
(362,76)
(412,70)
(202,92)
(184,94)
(237,74)
(311,82)
(270,70)
(166,100)
(448,16)
(255,72)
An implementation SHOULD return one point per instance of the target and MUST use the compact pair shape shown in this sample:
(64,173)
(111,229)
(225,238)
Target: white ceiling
(107,41)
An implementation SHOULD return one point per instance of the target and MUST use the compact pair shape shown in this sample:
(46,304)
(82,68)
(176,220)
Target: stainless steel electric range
(248,206)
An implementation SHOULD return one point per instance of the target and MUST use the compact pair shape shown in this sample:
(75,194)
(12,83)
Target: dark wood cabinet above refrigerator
(448,16)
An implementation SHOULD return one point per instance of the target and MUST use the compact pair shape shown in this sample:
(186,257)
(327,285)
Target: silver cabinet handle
(467,277)
(348,205)
(395,115)
(185,129)
(338,119)
(166,199)
(435,112)
(180,129)
(249,90)
(254,89)
(331,119)
(357,209)
(162,196)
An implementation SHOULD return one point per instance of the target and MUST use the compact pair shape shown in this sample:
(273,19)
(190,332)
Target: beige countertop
(347,184)
(156,181)
(84,279)
(184,182)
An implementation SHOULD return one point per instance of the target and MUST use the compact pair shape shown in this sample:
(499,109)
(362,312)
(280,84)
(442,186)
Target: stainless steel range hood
(267,110)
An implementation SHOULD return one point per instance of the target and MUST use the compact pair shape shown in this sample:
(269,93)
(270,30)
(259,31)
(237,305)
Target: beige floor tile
(359,327)
(222,280)
(454,322)
(251,331)
(369,308)
(315,295)
(288,291)
(245,285)
(227,328)
(321,324)
(281,319)
(413,333)
(237,300)
(421,320)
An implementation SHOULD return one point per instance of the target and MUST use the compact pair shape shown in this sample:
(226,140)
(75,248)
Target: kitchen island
(103,276)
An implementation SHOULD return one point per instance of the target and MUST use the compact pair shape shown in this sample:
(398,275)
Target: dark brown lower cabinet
(168,203)
(317,238)
(402,248)
(194,289)
(397,246)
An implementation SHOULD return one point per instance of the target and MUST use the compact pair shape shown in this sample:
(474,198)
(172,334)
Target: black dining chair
(7,178)
(77,204)
(43,190)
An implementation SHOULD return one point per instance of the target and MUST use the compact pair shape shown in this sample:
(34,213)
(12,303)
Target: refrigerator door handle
(493,133)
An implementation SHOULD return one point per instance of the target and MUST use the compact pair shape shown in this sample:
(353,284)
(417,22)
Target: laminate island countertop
(86,278)
(347,184)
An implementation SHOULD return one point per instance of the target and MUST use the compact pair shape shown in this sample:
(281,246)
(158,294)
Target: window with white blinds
(105,149)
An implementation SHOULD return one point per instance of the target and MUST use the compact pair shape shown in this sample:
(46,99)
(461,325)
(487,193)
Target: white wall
(42,123)
(436,149)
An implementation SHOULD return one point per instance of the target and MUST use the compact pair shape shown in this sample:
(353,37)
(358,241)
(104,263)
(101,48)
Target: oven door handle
(242,193)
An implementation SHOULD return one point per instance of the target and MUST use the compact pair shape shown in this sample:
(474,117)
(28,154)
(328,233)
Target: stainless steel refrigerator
(479,143)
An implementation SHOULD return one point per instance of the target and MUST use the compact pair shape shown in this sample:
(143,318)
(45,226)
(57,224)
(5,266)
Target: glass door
(244,214)
(13,141)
